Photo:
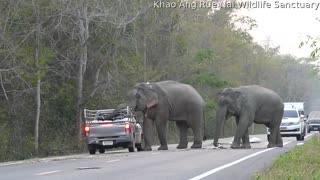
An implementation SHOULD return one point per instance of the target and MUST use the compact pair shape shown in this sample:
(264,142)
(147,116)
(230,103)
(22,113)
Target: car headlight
(295,123)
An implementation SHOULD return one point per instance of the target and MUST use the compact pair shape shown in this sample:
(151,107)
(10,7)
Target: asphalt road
(205,163)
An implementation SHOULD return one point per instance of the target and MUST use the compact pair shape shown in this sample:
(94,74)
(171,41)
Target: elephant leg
(242,127)
(275,136)
(245,140)
(195,124)
(183,128)
(279,142)
(162,133)
(147,133)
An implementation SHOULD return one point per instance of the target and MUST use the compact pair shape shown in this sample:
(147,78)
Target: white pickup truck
(120,131)
(292,124)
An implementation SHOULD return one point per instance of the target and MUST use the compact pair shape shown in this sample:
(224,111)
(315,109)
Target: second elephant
(168,100)
(250,104)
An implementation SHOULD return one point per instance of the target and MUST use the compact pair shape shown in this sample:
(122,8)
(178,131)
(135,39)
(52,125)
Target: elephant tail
(205,134)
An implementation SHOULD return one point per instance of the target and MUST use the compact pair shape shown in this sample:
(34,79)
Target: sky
(285,27)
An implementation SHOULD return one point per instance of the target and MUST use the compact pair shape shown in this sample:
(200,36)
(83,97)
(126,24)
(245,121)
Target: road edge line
(233,163)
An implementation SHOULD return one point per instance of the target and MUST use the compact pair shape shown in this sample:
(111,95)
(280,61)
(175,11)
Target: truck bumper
(111,142)
(294,130)
(288,131)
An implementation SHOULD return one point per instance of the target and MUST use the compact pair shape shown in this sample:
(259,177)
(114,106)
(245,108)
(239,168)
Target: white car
(292,125)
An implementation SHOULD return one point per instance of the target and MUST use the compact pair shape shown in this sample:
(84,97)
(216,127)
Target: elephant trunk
(220,118)
(131,104)
(118,108)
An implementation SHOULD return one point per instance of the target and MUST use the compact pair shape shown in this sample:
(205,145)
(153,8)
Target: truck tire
(300,137)
(92,149)
(102,150)
(131,149)
(139,147)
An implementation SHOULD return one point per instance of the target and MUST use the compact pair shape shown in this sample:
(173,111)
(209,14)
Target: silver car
(120,131)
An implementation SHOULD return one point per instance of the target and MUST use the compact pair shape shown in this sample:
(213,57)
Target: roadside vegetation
(58,57)
(303,162)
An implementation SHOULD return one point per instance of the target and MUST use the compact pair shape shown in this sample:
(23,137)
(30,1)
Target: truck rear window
(290,114)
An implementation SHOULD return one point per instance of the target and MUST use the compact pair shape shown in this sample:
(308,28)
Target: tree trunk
(36,14)
(83,58)
(145,59)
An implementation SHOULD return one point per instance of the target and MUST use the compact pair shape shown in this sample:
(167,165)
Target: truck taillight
(86,129)
(127,127)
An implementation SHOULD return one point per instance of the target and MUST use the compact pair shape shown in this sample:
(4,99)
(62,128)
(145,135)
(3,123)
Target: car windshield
(290,113)
(314,121)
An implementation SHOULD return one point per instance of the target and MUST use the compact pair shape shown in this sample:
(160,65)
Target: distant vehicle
(296,105)
(314,121)
(120,131)
(292,125)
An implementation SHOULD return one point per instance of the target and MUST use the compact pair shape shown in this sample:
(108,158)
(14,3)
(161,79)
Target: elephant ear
(239,97)
(151,95)
(152,103)
(152,99)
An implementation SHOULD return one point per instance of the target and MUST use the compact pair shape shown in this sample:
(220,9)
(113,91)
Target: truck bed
(106,129)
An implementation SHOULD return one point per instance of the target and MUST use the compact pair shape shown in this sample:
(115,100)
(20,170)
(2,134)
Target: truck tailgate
(107,129)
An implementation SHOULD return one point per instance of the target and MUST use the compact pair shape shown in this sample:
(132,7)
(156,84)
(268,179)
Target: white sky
(286,27)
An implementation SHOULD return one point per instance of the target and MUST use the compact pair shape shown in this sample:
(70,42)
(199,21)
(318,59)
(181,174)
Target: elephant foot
(279,145)
(163,147)
(235,146)
(271,145)
(245,146)
(147,148)
(182,146)
(196,146)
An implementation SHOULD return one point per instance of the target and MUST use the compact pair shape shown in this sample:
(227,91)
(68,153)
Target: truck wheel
(300,137)
(139,147)
(102,150)
(92,149)
(131,149)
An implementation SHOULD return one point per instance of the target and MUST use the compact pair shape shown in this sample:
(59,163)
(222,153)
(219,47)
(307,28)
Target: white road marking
(46,173)
(232,163)
(308,135)
(111,161)
(155,153)
(7,164)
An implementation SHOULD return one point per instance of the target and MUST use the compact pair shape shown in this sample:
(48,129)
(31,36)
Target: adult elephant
(163,101)
(250,104)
